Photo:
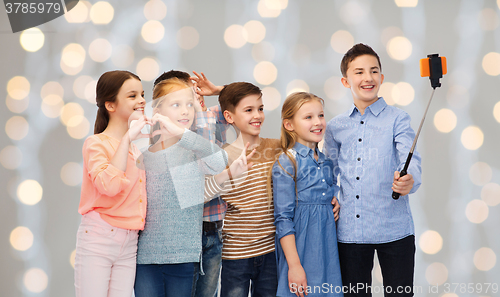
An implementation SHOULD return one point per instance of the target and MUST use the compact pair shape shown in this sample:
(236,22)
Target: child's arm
(403,138)
(108,175)
(205,87)
(211,158)
(284,197)
(205,125)
(331,150)
(297,280)
(120,157)
(217,184)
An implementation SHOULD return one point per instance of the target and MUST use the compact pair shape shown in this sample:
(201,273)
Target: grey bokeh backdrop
(456,209)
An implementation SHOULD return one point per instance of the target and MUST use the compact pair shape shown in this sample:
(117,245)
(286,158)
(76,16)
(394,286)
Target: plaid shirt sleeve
(212,125)
(221,125)
(205,125)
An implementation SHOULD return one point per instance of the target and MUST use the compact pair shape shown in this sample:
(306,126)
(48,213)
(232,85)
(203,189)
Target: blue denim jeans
(164,280)
(261,271)
(206,285)
(397,262)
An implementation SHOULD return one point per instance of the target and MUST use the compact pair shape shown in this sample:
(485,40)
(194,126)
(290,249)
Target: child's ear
(345,82)
(110,106)
(287,125)
(228,116)
(382,80)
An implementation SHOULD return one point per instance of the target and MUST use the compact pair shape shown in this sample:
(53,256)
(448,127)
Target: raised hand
(240,165)
(135,127)
(204,86)
(197,99)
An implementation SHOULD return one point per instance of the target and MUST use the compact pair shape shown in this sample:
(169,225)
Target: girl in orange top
(113,197)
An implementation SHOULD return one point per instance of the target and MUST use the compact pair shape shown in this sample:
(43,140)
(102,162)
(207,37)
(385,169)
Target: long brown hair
(288,138)
(108,86)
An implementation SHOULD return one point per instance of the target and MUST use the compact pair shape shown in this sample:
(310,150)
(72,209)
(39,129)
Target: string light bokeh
(50,73)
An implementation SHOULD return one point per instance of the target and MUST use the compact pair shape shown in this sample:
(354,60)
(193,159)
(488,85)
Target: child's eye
(321,115)
(261,109)
(248,110)
(358,72)
(190,104)
(175,105)
(308,117)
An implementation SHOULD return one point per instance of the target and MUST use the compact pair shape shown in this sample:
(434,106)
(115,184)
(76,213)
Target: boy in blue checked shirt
(214,210)
(368,145)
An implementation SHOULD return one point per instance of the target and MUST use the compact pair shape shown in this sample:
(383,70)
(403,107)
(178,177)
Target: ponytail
(101,120)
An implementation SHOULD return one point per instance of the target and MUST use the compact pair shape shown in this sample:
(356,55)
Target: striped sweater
(249,223)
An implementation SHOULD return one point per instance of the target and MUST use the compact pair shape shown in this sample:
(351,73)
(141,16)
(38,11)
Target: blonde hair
(160,90)
(166,87)
(288,138)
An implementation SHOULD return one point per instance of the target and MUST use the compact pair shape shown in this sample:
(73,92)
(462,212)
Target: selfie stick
(434,67)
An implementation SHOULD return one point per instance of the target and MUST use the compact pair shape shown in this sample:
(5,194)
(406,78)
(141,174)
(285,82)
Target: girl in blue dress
(305,206)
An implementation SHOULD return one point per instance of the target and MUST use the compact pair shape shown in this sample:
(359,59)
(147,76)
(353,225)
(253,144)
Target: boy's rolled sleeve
(284,198)
(107,179)
(403,138)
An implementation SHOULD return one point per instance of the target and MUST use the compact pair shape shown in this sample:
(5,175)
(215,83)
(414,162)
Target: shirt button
(362,122)
(357,216)
(359,159)
(323,180)
(140,180)
(140,200)
(319,168)
(359,140)
(357,196)
(357,177)
(143,220)
(323,194)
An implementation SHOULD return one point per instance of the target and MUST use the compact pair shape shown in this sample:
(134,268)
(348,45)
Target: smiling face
(308,123)
(178,106)
(363,77)
(248,115)
(129,104)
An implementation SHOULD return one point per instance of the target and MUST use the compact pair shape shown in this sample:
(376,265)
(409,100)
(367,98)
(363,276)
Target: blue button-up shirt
(366,150)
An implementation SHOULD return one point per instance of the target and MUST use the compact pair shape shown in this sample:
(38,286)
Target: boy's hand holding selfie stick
(434,67)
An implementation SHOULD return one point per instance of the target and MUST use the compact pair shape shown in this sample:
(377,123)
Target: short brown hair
(357,50)
(232,94)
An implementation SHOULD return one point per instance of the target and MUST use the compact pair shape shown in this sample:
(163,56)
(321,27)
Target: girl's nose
(184,110)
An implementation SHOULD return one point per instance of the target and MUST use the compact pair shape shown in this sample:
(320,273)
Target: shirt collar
(304,151)
(375,108)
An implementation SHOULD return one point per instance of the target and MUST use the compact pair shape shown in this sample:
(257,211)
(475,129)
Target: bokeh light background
(48,83)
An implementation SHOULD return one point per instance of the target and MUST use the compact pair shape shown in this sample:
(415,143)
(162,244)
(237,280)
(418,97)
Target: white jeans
(105,259)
